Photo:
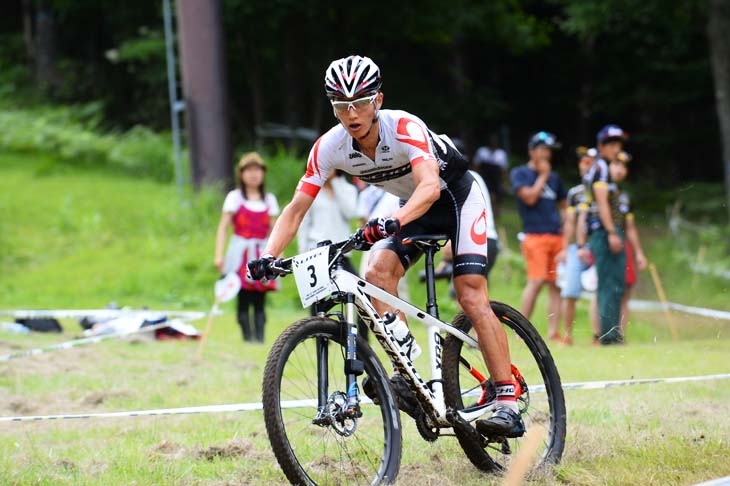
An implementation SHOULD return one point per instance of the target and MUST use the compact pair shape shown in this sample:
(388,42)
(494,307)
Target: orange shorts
(540,251)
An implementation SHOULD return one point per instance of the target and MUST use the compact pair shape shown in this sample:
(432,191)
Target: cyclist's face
(357,118)
(610,150)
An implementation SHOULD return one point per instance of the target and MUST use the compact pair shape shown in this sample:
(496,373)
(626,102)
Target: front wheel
(540,398)
(326,444)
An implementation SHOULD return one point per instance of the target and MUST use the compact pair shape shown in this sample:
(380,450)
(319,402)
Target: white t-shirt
(235,200)
(487,156)
(329,216)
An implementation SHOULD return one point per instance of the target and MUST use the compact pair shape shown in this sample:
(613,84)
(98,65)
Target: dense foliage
(471,68)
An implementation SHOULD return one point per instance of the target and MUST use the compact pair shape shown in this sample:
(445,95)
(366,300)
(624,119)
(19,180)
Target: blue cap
(543,138)
(611,132)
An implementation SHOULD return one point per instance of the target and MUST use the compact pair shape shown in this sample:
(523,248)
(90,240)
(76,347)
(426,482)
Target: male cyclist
(394,150)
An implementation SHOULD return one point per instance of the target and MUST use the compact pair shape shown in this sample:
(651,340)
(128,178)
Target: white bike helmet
(352,77)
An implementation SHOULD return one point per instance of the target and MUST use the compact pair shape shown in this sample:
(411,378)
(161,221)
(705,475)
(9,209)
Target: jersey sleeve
(319,166)
(412,135)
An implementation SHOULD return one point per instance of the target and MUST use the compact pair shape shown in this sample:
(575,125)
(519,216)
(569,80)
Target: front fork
(353,368)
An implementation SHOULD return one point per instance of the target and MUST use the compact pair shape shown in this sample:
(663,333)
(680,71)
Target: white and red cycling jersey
(404,142)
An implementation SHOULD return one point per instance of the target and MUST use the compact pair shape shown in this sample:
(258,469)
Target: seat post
(431,305)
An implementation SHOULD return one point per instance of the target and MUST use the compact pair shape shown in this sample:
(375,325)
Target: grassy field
(80,239)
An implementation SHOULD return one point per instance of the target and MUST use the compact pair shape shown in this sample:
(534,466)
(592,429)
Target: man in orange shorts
(541,201)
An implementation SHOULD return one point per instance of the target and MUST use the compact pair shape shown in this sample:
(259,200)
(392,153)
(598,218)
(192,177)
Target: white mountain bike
(324,430)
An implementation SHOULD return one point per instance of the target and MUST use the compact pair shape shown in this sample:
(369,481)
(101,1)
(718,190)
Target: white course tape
(79,342)
(98,313)
(247,407)
(650,305)
(716,482)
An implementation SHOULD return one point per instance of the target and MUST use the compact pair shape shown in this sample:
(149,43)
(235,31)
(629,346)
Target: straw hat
(251,158)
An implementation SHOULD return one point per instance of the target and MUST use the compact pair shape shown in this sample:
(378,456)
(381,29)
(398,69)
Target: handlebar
(356,241)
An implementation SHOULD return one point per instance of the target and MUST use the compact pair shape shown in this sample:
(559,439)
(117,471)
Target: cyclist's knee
(383,266)
(471,292)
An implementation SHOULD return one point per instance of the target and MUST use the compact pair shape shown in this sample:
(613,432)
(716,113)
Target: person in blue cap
(606,234)
(541,202)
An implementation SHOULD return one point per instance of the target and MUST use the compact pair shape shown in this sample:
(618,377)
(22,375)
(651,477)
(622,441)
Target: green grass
(81,238)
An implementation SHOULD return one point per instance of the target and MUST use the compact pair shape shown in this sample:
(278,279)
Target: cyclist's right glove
(380,228)
(260,268)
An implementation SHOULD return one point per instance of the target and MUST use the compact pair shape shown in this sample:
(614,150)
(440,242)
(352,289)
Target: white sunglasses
(357,105)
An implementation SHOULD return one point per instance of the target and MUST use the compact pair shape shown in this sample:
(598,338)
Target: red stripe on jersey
(404,127)
(308,188)
(312,163)
(418,160)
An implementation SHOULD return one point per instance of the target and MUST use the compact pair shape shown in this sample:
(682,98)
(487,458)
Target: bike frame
(430,397)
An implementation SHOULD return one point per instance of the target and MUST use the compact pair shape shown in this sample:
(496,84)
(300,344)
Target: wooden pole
(208,327)
(524,457)
(663,300)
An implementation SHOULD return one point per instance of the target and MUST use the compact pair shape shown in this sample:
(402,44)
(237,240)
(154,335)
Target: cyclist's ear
(379,100)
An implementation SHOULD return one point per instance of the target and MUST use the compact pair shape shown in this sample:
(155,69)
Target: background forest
(469,69)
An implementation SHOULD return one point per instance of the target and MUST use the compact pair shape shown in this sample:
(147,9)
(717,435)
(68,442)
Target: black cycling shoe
(404,396)
(503,423)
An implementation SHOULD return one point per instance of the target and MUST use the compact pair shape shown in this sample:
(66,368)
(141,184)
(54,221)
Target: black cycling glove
(380,228)
(259,268)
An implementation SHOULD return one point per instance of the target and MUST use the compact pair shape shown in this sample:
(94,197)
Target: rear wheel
(328,445)
(541,399)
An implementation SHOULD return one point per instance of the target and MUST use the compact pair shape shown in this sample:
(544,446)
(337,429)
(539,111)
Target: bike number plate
(312,275)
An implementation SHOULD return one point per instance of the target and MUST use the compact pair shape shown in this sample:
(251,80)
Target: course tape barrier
(716,482)
(648,305)
(98,313)
(82,341)
(249,407)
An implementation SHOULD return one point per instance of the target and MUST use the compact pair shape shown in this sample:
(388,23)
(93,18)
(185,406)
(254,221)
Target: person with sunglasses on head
(607,232)
(541,202)
(396,151)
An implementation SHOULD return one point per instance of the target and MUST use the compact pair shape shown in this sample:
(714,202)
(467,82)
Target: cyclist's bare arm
(428,190)
(287,224)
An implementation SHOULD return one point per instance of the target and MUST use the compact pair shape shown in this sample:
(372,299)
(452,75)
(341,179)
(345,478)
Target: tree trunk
(45,49)
(717,29)
(28,38)
(205,89)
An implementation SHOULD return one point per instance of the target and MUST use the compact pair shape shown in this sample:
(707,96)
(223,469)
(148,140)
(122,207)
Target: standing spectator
(490,161)
(541,204)
(606,228)
(568,259)
(250,209)
(634,258)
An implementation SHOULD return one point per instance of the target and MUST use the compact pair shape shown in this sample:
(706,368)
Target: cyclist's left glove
(380,228)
